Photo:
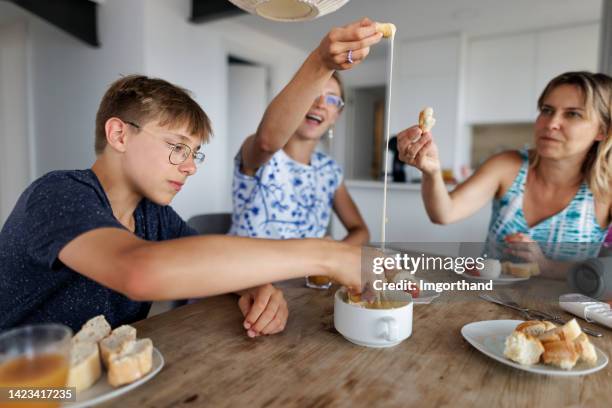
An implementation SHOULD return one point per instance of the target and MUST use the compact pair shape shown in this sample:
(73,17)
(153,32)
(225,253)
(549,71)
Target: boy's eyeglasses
(333,100)
(179,152)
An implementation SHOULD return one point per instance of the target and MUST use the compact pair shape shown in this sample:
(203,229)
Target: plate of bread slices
(537,346)
(106,363)
(504,273)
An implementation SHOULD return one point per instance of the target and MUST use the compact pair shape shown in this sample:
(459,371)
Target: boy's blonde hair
(138,99)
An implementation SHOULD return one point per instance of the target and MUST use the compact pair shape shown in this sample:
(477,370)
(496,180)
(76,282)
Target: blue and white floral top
(285,198)
(571,234)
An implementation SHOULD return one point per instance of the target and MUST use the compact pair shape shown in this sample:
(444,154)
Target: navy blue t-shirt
(35,286)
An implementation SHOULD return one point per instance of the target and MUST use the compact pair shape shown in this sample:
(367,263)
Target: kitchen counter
(210,361)
(407,219)
(392,185)
(379,185)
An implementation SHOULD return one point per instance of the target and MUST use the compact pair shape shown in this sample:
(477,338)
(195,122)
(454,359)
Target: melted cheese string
(383,230)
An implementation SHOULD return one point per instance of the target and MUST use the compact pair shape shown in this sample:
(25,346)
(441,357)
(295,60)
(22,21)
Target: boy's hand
(357,38)
(265,310)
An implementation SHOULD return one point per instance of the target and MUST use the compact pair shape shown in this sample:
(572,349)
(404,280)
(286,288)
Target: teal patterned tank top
(571,234)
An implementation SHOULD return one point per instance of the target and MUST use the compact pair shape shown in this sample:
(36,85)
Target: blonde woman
(557,194)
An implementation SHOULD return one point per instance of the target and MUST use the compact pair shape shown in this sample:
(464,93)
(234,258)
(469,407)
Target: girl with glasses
(282,186)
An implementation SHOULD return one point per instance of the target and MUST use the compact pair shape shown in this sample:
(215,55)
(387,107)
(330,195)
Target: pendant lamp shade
(290,10)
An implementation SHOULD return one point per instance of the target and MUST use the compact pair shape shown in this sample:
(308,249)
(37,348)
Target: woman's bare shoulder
(504,167)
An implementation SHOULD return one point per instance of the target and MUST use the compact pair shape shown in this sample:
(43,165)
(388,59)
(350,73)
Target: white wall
(70,77)
(14,144)
(371,72)
(153,37)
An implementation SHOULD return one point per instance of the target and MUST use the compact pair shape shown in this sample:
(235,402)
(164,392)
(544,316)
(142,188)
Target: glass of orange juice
(318,282)
(33,357)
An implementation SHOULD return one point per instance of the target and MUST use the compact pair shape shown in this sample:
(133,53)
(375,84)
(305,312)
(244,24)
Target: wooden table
(211,362)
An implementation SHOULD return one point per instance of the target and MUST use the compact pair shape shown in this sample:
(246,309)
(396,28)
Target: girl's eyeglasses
(333,100)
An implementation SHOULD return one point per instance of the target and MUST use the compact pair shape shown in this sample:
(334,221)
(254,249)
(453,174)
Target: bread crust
(561,346)
(112,344)
(85,367)
(387,29)
(426,119)
(561,353)
(134,361)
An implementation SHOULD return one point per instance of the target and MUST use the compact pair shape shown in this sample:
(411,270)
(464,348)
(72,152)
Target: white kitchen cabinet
(427,74)
(507,73)
(568,49)
(500,79)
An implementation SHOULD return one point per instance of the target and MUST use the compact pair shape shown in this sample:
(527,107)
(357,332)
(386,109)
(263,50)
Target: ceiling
(10,12)
(419,18)
(416,18)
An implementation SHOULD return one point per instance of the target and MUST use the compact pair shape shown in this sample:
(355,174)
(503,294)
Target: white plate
(503,279)
(489,336)
(102,391)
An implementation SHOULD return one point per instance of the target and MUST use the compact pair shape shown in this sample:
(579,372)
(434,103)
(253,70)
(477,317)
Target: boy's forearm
(215,264)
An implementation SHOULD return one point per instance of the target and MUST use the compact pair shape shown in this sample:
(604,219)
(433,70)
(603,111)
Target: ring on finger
(349,57)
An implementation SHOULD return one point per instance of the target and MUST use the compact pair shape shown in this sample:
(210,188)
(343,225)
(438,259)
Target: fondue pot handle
(390,331)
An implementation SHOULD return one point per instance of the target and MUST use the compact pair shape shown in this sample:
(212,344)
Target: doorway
(248,96)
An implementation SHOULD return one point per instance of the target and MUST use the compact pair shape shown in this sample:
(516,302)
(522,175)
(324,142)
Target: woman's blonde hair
(597,91)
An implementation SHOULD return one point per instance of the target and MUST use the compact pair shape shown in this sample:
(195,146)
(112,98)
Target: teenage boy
(104,241)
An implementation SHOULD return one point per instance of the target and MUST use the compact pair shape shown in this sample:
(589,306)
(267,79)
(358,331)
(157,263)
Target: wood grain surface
(211,362)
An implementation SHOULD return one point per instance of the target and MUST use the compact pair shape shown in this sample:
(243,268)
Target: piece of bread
(585,349)
(491,270)
(93,330)
(133,362)
(569,331)
(523,348)
(521,270)
(535,327)
(387,29)
(426,119)
(85,368)
(112,344)
(560,353)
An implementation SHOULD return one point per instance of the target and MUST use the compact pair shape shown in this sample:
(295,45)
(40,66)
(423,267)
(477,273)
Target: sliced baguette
(535,327)
(521,270)
(569,331)
(561,353)
(113,343)
(523,348)
(85,368)
(94,330)
(133,362)
(585,349)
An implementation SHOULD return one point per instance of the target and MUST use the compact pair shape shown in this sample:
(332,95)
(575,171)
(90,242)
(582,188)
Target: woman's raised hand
(419,150)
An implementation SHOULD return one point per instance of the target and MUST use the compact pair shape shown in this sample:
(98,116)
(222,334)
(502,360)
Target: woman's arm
(347,211)
(285,113)
(468,197)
